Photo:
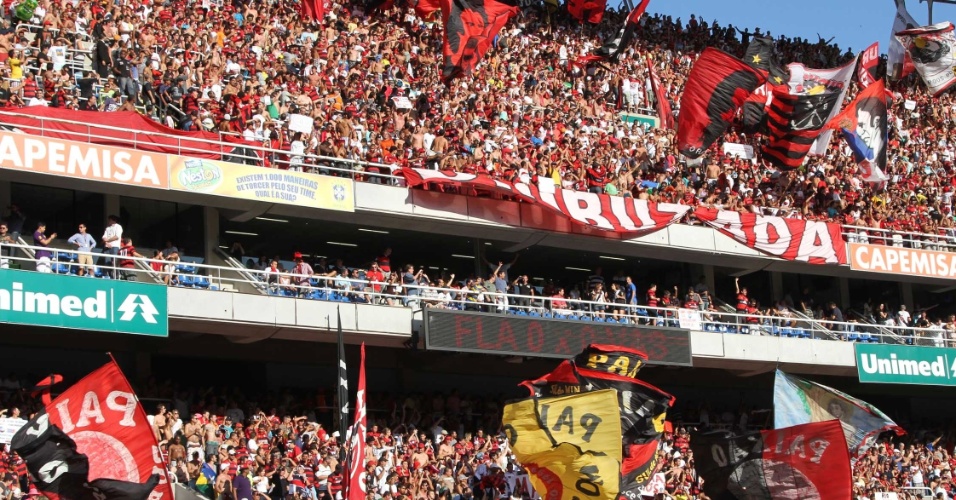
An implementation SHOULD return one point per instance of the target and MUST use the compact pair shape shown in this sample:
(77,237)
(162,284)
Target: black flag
(761,56)
(343,383)
(59,469)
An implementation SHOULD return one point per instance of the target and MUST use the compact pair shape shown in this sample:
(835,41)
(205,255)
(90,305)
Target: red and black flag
(59,469)
(643,407)
(660,98)
(795,121)
(716,88)
(617,43)
(803,461)
(470,29)
(754,111)
(591,11)
(425,8)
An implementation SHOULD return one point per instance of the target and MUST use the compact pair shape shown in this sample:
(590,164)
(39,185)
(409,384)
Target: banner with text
(789,239)
(463,331)
(38,299)
(598,211)
(260,184)
(899,260)
(904,364)
(80,160)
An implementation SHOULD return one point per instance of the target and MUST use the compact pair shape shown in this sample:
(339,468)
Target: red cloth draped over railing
(125,129)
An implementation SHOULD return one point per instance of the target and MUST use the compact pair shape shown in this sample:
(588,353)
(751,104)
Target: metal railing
(901,239)
(391,292)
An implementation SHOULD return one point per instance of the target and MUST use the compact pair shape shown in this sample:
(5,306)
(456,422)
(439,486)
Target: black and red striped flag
(619,42)
(795,121)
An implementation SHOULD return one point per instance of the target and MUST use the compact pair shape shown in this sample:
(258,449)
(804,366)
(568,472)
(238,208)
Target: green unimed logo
(85,303)
(902,364)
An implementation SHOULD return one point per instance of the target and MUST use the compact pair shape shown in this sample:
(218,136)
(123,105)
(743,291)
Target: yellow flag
(570,445)
(566,473)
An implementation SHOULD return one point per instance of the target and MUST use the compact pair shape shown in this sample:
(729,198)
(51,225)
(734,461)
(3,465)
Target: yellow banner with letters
(261,184)
(570,445)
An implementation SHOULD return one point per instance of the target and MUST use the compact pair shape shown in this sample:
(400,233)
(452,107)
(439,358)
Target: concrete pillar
(210,222)
(776,285)
(906,293)
(844,293)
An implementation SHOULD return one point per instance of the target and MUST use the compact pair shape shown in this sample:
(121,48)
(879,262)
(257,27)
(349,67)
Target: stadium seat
(202,282)
(186,280)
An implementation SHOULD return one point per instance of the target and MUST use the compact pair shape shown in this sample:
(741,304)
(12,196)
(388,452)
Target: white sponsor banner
(690,319)
(745,151)
(300,123)
(9,427)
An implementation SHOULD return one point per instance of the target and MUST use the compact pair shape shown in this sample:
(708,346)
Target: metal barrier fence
(392,292)
(362,171)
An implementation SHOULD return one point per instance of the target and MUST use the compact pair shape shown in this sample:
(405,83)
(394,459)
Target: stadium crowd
(530,113)
(282,446)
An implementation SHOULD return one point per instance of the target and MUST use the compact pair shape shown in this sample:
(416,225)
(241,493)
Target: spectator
(43,256)
(84,244)
(112,239)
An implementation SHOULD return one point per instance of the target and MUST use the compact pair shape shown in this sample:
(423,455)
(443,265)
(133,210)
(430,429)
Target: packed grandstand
(535,111)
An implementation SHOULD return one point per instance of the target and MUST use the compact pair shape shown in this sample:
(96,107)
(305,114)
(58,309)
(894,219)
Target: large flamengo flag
(643,407)
(716,88)
(795,122)
(568,444)
(761,56)
(804,461)
(864,128)
(898,62)
(470,30)
(343,383)
(356,479)
(799,401)
(619,42)
(660,96)
(102,433)
(931,50)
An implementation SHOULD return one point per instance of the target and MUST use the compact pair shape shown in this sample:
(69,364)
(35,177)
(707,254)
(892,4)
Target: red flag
(803,461)
(866,71)
(102,414)
(313,9)
(663,106)
(591,11)
(470,30)
(356,486)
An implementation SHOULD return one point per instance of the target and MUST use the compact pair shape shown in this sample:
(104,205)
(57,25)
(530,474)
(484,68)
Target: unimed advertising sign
(38,299)
(463,331)
(903,364)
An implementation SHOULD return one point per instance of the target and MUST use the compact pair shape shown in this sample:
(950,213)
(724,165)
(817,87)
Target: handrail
(895,238)
(225,148)
(325,287)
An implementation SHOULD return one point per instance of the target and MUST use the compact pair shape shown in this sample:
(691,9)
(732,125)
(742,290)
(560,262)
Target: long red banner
(599,211)
(813,242)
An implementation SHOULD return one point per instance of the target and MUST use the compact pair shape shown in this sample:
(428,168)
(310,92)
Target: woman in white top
(297,149)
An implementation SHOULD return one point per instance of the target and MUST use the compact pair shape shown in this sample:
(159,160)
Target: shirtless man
(439,145)
(159,421)
(193,433)
(211,432)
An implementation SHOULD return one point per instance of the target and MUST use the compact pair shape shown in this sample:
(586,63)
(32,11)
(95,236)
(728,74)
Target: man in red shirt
(376,279)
